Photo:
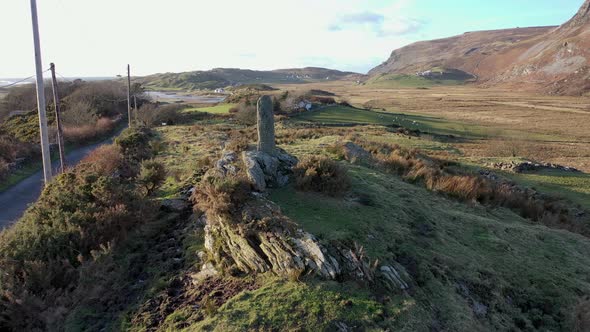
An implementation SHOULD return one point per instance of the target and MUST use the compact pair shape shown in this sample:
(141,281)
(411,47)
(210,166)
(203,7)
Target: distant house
(304,104)
(219,90)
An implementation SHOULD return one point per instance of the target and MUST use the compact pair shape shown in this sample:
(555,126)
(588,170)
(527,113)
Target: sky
(87,38)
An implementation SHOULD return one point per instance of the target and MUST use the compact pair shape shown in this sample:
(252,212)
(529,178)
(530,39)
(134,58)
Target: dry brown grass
(548,128)
(443,177)
(105,160)
(85,133)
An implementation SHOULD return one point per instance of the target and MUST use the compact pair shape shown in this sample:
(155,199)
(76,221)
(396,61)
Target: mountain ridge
(547,59)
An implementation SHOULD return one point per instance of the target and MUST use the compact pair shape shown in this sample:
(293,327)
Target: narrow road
(15,200)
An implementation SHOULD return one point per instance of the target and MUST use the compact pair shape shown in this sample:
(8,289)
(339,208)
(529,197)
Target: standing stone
(266,125)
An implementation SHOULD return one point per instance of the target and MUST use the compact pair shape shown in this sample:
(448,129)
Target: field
(217,109)
(408,81)
(472,266)
(478,127)
(460,254)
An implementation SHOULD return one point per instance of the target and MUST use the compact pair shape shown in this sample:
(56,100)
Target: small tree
(151,176)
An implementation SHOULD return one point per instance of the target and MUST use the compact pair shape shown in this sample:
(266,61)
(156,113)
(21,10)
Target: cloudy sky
(99,37)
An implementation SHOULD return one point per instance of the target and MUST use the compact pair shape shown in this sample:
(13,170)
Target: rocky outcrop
(266,170)
(356,154)
(529,166)
(267,241)
(257,237)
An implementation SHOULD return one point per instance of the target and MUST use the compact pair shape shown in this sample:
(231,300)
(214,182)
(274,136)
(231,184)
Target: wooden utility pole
(45,153)
(60,138)
(129,95)
(135,106)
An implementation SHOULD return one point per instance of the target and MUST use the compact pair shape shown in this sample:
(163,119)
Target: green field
(335,115)
(342,115)
(572,186)
(408,81)
(217,109)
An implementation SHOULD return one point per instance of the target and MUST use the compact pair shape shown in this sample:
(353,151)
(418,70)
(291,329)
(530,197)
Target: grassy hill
(472,266)
(223,77)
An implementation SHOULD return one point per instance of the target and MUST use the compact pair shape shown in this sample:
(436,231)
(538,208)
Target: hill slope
(223,77)
(547,59)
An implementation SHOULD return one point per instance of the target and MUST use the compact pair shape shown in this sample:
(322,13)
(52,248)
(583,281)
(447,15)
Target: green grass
(342,115)
(408,81)
(336,115)
(572,186)
(448,246)
(217,109)
(297,306)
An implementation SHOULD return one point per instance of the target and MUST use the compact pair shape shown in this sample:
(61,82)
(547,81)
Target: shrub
(246,114)
(86,133)
(321,174)
(4,169)
(221,196)
(152,115)
(80,113)
(105,160)
(151,176)
(135,144)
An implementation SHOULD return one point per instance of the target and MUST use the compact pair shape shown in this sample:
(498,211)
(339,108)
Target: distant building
(219,90)
(304,104)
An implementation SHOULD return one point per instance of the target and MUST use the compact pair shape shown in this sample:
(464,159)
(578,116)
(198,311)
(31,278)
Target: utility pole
(135,106)
(45,153)
(60,138)
(129,94)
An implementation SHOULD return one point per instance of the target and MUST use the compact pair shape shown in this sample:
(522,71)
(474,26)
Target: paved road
(15,200)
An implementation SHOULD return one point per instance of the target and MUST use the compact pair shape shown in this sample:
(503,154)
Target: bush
(86,133)
(246,114)
(135,144)
(151,176)
(105,160)
(321,174)
(80,113)
(152,115)
(221,196)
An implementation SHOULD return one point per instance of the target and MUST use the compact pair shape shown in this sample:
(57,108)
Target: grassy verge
(217,109)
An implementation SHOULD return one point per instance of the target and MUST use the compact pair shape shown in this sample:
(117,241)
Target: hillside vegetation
(472,265)
(224,77)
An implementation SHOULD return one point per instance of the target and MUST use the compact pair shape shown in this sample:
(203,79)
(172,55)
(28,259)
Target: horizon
(355,38)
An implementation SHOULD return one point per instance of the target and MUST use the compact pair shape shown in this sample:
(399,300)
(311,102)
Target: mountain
(223,77)
(551,59)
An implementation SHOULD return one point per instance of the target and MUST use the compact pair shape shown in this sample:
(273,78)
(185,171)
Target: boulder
(356,154)
(268,170)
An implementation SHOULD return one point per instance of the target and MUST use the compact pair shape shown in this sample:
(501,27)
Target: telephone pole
(135,107)
(60,138)
(129,94)
(45,153)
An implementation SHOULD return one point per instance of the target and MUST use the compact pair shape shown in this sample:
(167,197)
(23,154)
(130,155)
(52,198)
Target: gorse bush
(135,144)
(221,196)
(321,174)
(106,160)
(81,213)
(151,176)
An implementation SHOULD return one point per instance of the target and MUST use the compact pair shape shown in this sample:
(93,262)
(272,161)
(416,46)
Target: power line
(17,82)
(20,81)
